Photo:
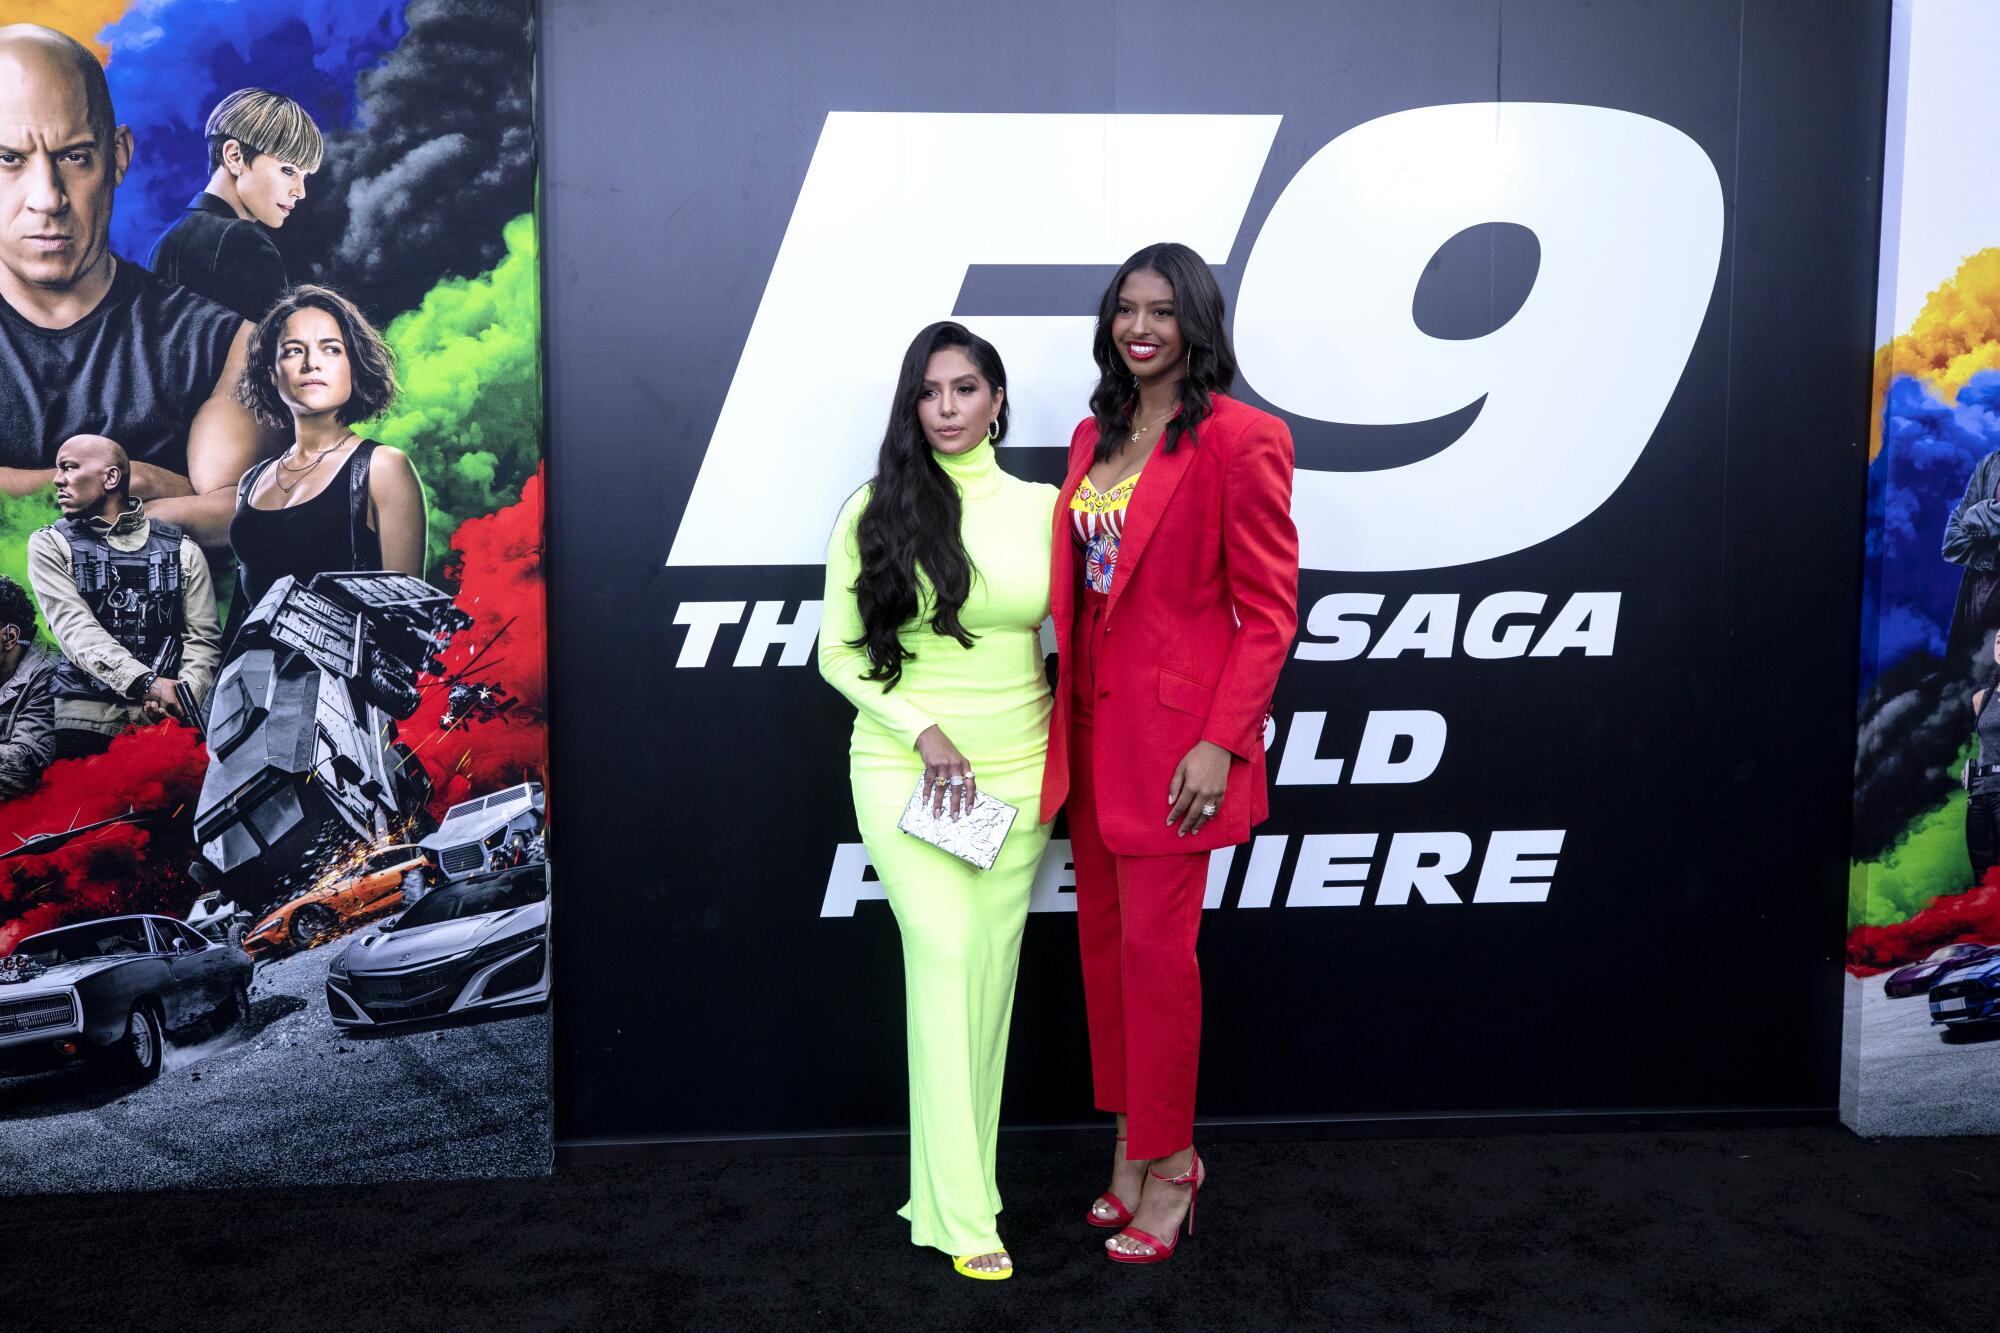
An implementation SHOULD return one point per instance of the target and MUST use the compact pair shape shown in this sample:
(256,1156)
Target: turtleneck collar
(977,470)
(128,518)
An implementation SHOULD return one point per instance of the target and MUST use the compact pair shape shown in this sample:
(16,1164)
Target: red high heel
(1163,1250)
(1122,1214)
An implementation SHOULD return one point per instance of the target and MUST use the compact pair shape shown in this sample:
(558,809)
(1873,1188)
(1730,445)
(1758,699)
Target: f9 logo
(1627,210)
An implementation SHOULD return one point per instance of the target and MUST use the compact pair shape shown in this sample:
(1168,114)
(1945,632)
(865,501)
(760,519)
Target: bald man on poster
(127,597)
(90,343)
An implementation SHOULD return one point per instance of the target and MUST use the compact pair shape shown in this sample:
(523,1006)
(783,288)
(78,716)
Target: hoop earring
(993,429)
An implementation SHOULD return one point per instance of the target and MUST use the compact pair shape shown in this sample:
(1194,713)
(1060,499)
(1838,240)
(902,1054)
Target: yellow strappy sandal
(962,1263)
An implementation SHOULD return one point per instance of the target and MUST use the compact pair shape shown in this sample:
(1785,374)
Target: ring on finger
(1208,811)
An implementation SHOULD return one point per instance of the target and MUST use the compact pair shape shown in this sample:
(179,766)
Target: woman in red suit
(1174,530)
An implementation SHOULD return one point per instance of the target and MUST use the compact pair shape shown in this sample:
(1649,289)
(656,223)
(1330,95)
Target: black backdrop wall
(1675,783)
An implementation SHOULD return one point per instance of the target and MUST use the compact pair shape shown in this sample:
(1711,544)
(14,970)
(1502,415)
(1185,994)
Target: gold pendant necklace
(1149,426)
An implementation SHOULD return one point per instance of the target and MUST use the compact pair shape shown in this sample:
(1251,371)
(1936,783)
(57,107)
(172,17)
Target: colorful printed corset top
(1099,520)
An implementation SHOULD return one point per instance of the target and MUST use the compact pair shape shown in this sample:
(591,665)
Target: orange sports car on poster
(338,903)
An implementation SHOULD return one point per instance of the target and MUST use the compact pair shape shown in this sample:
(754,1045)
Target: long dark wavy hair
(910,524)
(1204,327)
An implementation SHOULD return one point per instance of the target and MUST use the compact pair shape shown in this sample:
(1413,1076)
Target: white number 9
(1629,215)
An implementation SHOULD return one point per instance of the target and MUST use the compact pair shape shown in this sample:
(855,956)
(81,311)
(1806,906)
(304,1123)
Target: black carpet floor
(1754,1229)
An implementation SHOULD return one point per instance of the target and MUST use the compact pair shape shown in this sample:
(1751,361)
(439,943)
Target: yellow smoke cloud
(81,19)
(1954,337)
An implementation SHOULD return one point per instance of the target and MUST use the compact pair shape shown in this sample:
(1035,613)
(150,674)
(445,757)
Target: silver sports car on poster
(478,943)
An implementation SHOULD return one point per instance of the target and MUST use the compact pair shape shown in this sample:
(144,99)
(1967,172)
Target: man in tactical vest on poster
(128,600)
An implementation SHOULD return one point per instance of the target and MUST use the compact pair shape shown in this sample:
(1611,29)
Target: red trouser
(1136,921)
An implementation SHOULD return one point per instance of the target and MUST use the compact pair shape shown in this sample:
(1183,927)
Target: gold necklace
(1149,426)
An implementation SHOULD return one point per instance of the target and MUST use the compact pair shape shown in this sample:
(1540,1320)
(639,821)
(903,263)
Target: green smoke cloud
(20,516)
(470,414)
(1926,863)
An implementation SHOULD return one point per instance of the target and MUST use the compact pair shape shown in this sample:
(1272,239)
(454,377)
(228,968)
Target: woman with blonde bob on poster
(261,147)
(936,587)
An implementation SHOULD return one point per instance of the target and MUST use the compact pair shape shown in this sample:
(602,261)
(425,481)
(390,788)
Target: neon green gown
(961,926)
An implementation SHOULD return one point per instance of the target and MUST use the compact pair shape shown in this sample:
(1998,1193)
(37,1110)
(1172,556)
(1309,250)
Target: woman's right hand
(942,763)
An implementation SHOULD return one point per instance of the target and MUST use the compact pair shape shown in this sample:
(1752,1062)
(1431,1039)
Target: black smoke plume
(1914,724)
(440,157)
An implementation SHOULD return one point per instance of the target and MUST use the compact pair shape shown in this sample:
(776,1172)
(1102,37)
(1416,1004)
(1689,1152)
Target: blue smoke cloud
(172,60)
(1929,449)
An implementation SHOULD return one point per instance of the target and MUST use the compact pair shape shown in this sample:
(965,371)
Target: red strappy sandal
(1121,1214)
(1163,1250)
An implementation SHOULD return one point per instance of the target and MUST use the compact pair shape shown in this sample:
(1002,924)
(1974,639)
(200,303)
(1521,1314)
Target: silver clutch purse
(974,837)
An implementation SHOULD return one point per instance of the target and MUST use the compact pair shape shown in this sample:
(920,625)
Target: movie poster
(274,902)
(1923,912)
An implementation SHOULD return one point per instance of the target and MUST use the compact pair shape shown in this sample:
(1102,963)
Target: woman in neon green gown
(936,588)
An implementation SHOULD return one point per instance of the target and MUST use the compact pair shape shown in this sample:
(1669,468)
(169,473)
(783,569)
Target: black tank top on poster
(136,368)
(328,532)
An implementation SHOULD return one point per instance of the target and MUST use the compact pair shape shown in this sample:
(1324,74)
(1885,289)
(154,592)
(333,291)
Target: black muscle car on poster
(111,991)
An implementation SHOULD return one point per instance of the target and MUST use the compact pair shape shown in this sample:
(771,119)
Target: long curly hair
(908,534)
(1204,325)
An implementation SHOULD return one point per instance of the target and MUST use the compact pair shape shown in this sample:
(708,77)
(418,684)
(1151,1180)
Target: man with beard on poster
(91,344)
(127,597)
(27,708)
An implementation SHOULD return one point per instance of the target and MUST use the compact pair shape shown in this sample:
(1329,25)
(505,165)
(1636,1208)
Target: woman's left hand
(1200,781)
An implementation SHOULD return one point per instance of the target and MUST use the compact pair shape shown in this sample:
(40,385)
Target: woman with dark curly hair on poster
(936,587)
(1175,531)
(331,501)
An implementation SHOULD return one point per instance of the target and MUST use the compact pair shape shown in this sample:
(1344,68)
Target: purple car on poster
(1920,977)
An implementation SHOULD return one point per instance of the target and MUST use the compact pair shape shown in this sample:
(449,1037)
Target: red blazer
(1204,605)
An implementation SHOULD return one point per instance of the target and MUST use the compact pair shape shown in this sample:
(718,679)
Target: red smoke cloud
(132,867)
(497,560)
(1972,917)
(142,866)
